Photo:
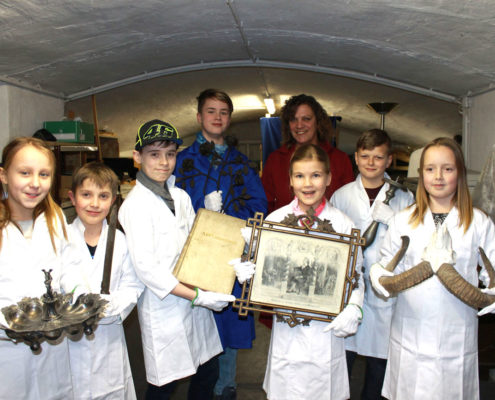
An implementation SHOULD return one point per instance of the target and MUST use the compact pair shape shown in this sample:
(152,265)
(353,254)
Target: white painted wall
(22,112)
(479,129)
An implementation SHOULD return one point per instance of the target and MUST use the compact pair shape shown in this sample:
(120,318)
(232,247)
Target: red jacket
(275,177)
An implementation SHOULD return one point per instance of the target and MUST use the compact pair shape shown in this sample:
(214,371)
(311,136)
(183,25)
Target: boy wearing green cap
(177,325)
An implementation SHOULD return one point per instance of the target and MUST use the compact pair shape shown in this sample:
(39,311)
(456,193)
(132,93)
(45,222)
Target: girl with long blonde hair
(33,238)
(433,351)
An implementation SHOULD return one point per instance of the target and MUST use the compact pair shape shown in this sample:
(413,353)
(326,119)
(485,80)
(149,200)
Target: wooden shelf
(68,156)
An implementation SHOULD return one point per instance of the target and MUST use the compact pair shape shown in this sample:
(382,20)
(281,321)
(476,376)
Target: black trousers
(373,376)
(200,387)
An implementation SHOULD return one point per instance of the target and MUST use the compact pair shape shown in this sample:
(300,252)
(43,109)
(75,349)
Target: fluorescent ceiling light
(247,102)
(270,106)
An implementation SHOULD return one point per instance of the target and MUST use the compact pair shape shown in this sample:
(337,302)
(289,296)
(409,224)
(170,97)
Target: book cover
(214,240)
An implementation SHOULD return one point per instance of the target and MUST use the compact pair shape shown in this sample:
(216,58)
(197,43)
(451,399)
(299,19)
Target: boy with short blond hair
(177,325)
(362,201)
(220,178)
(100,365)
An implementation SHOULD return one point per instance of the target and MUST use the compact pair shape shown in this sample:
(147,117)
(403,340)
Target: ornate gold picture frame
(301,273)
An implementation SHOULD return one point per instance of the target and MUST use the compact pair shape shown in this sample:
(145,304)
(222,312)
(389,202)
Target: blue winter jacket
(199,172)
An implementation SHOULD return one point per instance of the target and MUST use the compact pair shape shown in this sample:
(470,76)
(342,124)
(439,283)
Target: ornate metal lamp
(382,109)
(33,320)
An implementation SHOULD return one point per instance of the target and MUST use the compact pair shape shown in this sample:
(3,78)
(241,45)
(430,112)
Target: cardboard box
(71,131)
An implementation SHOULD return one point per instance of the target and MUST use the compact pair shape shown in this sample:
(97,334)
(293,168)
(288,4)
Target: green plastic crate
(71,131)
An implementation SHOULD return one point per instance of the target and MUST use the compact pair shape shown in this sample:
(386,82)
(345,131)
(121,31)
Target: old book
(214,240)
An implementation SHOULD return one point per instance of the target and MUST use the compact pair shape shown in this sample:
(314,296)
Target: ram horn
(398,256)
(409,278)
(489,268)
(462,289)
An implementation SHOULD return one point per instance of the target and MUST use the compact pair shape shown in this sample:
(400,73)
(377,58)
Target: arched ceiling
(342,52)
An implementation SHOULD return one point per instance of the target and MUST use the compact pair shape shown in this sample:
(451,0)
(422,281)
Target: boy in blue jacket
(218,177)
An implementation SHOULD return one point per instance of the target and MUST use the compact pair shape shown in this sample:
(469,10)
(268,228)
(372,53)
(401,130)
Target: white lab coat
(100,364)
(24,375)
(433,352)
(304,362)
(373,334)
(176,338)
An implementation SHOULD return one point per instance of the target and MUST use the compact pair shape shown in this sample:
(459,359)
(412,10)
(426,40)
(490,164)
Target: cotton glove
(491,308)
(112,308)
(382,212)
(78,291)
(376,272)
(212,300)
(246,234)
(213,201)
(244,270)
(3,322)
(3,325)
(346,323)
(439,250)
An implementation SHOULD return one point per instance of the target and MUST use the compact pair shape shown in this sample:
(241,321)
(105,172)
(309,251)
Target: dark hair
(462,198)
(53,213)
(214,94)
(323,123)
(99,173)
(373,138)
(309,152)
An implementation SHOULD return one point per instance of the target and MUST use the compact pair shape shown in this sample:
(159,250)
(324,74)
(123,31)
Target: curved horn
(462,289)
(407,279)
(398,256)
(489,268)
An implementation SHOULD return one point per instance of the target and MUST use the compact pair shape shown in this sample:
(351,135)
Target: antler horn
(462,289)
(409,278)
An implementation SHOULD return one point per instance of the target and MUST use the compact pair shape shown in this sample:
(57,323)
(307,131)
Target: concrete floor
(252,363)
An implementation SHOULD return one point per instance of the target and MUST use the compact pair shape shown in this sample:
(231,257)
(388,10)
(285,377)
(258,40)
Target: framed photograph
(301,273)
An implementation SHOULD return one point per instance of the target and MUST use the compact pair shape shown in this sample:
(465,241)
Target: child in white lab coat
(308,362)
(433,351)
(362,200)
(177,326)
(33,237)
(99,364)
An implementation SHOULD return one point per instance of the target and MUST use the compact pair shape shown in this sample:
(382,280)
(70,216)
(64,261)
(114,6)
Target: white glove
(382,212)
(246,234)
(376,272)
(212,300)
(3,322)
(244,270)
(347,322)
(112,308)
(213,201)
(77,291)
(439,250)
(491,308)
(3,325)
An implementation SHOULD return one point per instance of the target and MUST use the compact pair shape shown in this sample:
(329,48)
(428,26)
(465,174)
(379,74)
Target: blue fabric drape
(271,135)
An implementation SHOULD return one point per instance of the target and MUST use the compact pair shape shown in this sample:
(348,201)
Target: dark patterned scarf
(157,189)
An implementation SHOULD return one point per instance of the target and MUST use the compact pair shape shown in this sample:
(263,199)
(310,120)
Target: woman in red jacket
(304,120)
